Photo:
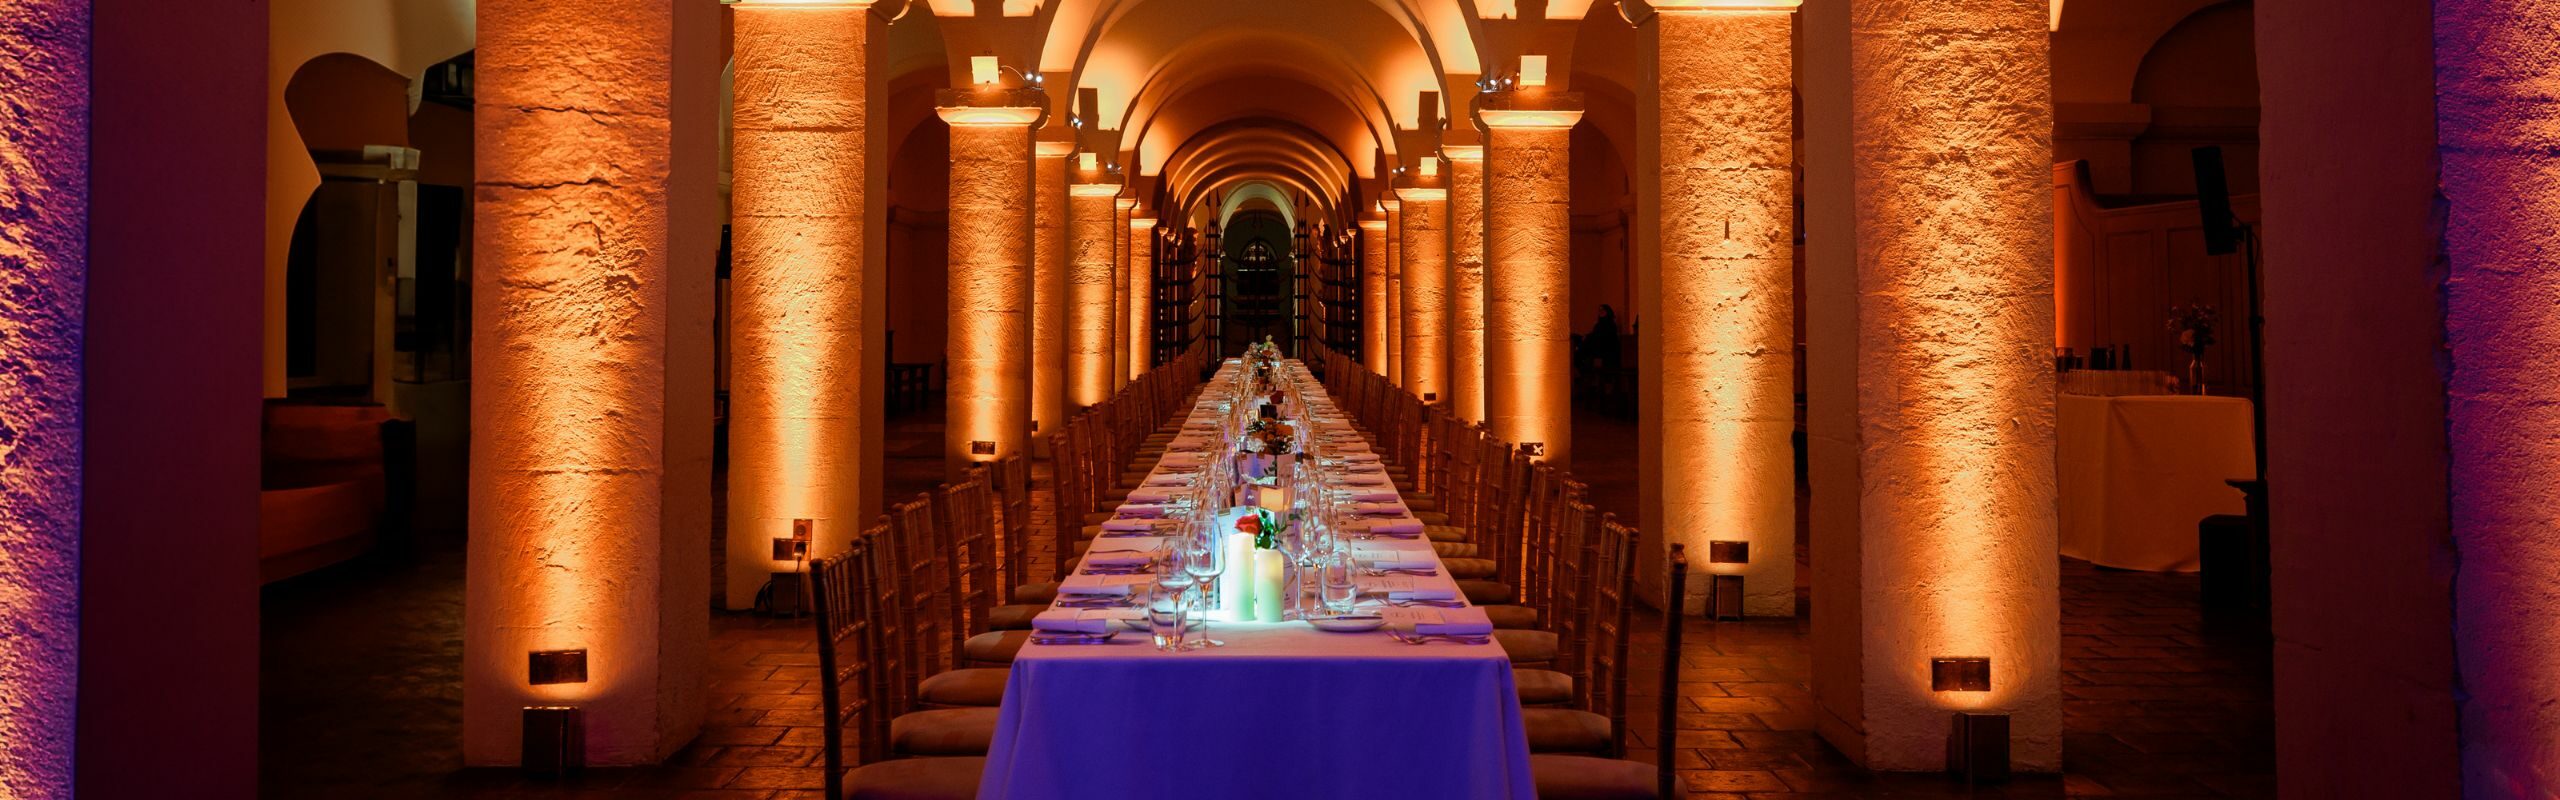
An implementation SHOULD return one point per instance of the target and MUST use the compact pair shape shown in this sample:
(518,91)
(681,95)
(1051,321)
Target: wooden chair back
(848,634)
(1013,476)
(926,584)
(1612,616)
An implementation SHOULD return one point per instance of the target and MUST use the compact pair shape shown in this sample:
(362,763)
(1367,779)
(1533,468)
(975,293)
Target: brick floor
(361,692)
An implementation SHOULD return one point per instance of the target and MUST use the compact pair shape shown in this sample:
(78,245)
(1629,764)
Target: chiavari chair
(1598,726)
(859,689)
(1581,777)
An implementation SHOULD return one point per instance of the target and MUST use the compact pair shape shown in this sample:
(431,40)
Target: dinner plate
(1349,624)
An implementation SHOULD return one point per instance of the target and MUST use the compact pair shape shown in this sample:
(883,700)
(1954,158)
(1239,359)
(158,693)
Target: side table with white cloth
(2136,474)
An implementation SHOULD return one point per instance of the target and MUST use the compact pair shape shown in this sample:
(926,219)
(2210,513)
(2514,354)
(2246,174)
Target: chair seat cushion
(1430,517)
(1014,617)
(917,779)
(1038,594)
(997,647)
(1454,549)
(1422,502)
(1512,617)
(1470,568)
(1115,494)
(946,732)
(1538,687)
(1444,533)
(1097,517)
(1551,730)
(1525,647)
(968,687)
(1488,593)
(1563,777)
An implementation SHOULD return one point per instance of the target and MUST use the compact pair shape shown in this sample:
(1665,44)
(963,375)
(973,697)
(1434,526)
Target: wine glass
(1205,558)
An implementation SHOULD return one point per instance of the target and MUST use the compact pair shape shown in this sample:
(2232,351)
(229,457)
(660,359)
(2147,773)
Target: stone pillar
(805,282)
(1528,260)
(1396,322)
(1466,281)
(1091,286)
(1727,370)
(987,401)
(1426,290)
(44,159)
(1954,207)
(1049,292)
(1373,292)
(584,526)
(1142,295)
(2494,82)
(1122,209)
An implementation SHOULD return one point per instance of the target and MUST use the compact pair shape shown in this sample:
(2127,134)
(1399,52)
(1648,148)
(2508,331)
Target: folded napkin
(1118,558)
(1167,479)
(1384,499)
(1156,494)
(1470,621)
(1347,448)
(1361,478)
(1357,458)
(1405,525)
(1393,559)
(1102,585)
(1183,459)
(1069,620)
(1127,524)
(1139,511)
(1378,507)
(1414,589)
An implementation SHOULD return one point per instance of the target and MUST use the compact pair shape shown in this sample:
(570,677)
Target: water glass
(1341,585)
(1165,612)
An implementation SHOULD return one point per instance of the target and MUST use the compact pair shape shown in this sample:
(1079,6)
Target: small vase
(2195,374)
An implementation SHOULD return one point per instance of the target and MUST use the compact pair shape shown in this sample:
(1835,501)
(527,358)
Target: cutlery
(1417,573)
(1427,638)
(1427,603)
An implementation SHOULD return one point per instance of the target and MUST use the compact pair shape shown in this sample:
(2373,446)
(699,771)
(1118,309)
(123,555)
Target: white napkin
(1139,511)
(1153,494)
(1393,559)
(1386,498)
(1404,525)
(1470,621)
(1104,585)
(1413,589)
(1387,506)
(1069,620)
(1348,447)
(1358,458)
(1118,558)
(1361,478)
(1169,479)
(1127,524)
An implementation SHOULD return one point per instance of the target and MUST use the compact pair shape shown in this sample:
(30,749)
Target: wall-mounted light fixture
(548,667)
(1960,674)
(982,448)
(1533,449)
(1728,552)
(1533,70)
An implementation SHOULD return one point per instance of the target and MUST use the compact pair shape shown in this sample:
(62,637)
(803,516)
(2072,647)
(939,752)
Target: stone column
(1373,292)
(1466,281)
(1091,286)
(1049,292)
(1396,322)
(590,297)
(2494,83)
(1142,296)
(1122,209)
(1426,290)
(44,159)
(1527,262)
(1952,137)
(1727,366)
(803,279)
(987,400)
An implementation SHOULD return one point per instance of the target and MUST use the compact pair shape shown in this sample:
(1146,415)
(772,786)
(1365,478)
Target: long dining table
(1281,710)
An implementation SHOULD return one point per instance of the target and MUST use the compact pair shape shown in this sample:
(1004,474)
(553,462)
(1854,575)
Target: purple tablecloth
(1284,711)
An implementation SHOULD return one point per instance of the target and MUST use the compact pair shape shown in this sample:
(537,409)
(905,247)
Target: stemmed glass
(1204,559)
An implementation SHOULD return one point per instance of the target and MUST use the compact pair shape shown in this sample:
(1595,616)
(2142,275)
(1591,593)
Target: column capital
(798,3)
(1529,109)
(1462,152)
(1054,149)
(1126,203)
(1094,189)
(1373,223)
(1391,203)
(1142,223)
(991,105)
(1736,6)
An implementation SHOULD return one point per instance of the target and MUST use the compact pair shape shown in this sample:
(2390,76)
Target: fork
(1427,638)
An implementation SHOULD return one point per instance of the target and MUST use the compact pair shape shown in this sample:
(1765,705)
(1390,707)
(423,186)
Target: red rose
(1249,523)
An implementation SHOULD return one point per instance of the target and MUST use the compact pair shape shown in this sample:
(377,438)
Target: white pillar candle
(1235,586)
(1269,570)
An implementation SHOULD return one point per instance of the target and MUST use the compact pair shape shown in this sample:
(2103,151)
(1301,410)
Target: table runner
(1283,711)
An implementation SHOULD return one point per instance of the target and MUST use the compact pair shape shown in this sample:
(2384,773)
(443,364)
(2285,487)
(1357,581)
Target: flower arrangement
(1270,437)
(2194,325)
(1265,528)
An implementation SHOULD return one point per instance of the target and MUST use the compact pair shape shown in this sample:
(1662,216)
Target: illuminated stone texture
(797,288)
(1528,255)
(1049,290)
(1727,370)
(1395,292)
(2495,77)
(988,398)
(1952,138)
(1090,288)
(1426,291)
(1142,276)
(575,541)
(44,153)
(1373,293)
(1466,282)
(1122,209)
